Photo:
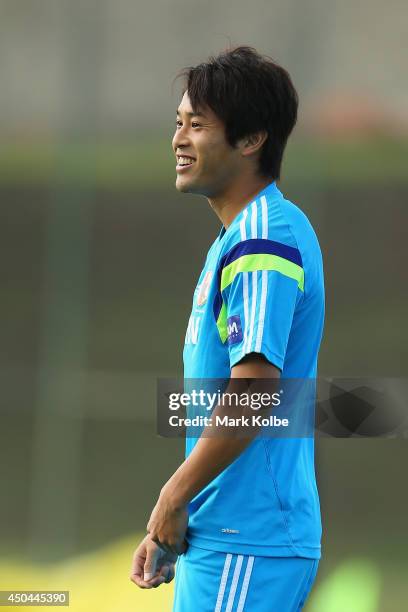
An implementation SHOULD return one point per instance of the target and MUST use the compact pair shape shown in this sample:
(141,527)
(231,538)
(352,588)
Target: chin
(183,186)
(190,187)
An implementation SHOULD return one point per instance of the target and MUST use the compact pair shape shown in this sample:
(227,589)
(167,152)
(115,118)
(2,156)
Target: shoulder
(307,245)
(270,224)
(273,233)
(299,225)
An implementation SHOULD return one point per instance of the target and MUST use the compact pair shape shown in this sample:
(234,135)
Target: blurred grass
(100,581)
(354,586)
(146,163)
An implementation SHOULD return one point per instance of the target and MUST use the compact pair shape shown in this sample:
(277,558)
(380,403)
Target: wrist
(174,494)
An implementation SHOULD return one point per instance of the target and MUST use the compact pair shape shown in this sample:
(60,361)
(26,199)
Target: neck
(228,204)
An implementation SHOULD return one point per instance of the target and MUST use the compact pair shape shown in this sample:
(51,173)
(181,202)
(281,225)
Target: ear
(252,143)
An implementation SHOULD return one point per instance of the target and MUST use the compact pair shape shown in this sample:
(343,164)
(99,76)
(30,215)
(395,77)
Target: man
(241,515)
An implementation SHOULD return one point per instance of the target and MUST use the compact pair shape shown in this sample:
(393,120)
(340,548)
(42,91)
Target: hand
(151,566)
(168,524)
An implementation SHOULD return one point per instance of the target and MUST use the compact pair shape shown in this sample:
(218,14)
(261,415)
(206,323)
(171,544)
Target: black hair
(250,93)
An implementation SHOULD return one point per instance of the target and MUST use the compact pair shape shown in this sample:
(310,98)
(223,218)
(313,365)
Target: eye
(178,123)
(194,124)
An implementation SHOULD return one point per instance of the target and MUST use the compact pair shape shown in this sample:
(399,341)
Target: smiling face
(206,163)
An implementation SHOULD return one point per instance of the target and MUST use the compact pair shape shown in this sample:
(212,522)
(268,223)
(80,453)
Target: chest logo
(204,289)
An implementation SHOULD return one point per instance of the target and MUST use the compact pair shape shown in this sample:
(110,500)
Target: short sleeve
(261,282)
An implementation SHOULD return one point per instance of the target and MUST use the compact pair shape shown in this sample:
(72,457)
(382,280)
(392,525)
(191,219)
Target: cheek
(214,156)
(222,162)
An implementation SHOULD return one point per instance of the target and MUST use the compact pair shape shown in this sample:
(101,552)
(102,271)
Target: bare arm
(211,455)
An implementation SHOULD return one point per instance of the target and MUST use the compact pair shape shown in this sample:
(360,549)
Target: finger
(164,547)
(138,560)
(136,570)
(160,576)
(153,582)
(157,581)
(150,565)
(165,570)
(140,582)
(170,574)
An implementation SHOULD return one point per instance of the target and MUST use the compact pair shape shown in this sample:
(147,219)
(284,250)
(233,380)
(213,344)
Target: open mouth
(184,162)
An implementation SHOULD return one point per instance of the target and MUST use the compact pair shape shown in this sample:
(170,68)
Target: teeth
(185,161)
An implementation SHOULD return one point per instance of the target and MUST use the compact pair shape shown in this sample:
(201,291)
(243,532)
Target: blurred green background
(100,256)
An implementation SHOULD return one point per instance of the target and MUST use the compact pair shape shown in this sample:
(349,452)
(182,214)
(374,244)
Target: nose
(180,139)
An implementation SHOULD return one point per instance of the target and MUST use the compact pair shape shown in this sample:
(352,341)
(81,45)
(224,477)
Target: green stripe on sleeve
(263,261)
(222,323)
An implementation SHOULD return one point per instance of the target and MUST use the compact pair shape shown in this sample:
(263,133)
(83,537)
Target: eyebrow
(197,114)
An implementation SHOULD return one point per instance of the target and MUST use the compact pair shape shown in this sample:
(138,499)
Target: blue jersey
(261,291)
